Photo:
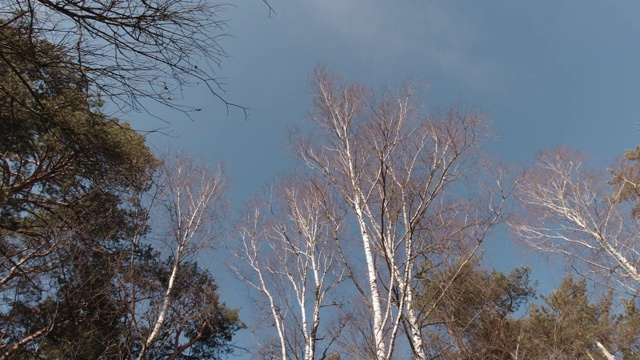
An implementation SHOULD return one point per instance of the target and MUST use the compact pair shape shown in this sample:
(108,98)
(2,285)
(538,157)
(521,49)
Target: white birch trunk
(250,255)
(414,328)
(315,317)
(163,310)
(412,318)
(277,319)
(605,352)
(378,326)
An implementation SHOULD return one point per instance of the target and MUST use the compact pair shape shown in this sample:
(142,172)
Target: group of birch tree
(371,248)
(386,194)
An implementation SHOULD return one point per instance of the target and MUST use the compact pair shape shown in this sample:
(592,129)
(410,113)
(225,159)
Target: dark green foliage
(481,316)
(567,325)
(627,330)
(626,180)
(199,322)
(75,274)
(69,178)
(475,310)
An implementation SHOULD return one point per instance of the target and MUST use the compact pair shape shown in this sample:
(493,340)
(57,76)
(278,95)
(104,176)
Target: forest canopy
(371,247)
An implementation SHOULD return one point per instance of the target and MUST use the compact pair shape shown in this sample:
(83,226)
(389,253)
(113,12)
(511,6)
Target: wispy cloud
(428,33)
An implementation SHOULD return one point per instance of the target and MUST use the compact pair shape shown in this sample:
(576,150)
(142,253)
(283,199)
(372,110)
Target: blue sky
(549,73)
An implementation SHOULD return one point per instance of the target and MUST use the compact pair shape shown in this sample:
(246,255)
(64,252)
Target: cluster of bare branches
(414,186)
(288,253)
(130,51)
(572,211)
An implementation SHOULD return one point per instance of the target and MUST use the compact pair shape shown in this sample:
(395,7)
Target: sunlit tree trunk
(251,254)
(604,351)
(400,173)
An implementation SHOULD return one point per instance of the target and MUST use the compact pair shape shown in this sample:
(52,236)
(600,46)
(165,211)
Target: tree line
(370,249)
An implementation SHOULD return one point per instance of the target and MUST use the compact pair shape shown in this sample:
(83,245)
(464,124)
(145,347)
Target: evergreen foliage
(73,259)
(491,315)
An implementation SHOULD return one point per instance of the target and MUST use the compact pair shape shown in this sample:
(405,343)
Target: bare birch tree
(288,254)
(191,204)
(411,182)
(570,210)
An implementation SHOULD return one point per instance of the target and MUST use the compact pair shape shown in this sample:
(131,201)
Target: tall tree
(407,179)
(75,254)
(67,198)
(190,208)
(288,254)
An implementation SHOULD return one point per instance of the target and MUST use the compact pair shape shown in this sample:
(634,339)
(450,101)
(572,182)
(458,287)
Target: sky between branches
(549,74)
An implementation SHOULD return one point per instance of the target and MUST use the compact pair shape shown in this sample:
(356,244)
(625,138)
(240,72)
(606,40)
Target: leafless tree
(191,206)
(288,254)
(412,183)
(570,210)
(129,51)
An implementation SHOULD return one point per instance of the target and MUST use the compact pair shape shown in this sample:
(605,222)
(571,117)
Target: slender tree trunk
(272,308)
(317,301)
(165,307)
(17,345)
(412,319)
(605,352)
(415,335)
(378,329)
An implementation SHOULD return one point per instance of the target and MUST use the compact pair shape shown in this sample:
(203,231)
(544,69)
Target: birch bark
(399,172)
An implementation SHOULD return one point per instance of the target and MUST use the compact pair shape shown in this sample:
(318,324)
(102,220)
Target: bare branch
(402,174)
(132,52)
(568,211)
(288,254)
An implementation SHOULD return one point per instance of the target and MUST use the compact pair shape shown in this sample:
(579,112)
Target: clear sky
(549,73)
